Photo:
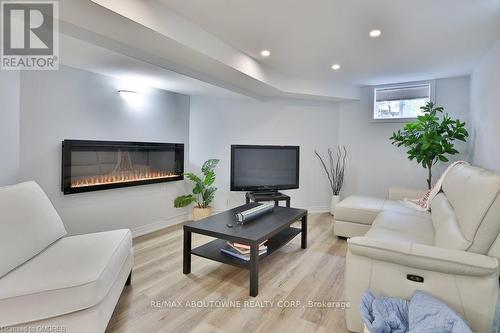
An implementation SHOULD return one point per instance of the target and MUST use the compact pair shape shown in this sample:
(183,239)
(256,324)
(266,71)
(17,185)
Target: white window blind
(400,101)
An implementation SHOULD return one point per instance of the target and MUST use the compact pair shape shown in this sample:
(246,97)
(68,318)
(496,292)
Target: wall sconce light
(132,97)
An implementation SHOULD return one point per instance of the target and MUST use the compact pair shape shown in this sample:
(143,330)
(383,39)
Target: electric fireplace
(99,165)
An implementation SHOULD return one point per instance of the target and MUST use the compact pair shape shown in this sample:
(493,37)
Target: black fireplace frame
(70,145)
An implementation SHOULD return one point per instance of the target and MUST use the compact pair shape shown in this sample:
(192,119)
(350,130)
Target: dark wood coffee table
(274,227)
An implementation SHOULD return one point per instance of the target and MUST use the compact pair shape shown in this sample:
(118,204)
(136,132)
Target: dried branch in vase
(336,168)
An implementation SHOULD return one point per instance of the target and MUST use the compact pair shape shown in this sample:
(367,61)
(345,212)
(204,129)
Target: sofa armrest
(400,193)
(424,257)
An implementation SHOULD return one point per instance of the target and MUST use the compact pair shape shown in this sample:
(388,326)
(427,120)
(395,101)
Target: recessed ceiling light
(375,33)
(335,67)
(265,53)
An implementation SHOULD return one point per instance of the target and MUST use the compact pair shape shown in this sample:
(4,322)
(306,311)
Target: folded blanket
(384,314)
(422,314)
(427,314)
(496,323)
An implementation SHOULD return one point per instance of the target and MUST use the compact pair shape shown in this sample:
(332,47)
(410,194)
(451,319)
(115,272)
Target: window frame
(431,83)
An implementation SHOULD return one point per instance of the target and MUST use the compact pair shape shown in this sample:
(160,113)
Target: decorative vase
(201,213)
(333,203)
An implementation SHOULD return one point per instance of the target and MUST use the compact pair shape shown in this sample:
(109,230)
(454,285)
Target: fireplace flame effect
(122,177)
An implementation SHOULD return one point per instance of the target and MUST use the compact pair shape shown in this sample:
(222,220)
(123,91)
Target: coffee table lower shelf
(212,251)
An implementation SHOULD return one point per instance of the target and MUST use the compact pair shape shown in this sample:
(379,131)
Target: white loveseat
(71,283)
(450,252)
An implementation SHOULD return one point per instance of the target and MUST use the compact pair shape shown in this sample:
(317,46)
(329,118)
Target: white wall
(215,124)
(9,127)
(485,110)
(375,164)
(75,104)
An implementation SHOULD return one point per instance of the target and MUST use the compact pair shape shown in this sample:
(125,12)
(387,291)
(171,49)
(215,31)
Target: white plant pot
(333,203)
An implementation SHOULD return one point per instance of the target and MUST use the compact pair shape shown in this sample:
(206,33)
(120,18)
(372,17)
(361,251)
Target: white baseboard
(155,226)
(318,209)
(311,209)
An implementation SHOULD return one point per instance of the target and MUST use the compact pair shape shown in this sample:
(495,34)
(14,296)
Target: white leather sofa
(71,283)
(450,252)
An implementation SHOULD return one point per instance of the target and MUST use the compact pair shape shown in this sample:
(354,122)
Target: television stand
(267,196)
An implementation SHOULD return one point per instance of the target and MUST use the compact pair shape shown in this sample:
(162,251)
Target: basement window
(400,102)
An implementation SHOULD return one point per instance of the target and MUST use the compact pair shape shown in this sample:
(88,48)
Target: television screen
(255,168)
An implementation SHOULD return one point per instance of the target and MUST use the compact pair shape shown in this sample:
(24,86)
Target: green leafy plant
(203,191)
(430,138)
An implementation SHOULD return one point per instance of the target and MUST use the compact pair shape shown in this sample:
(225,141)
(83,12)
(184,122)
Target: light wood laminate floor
(289,281)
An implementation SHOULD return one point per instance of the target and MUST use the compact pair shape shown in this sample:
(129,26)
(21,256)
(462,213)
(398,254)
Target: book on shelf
(231,251)
(244,249)
(245,246)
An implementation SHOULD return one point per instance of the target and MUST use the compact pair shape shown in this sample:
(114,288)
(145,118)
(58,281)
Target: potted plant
(430,137)
(203,191)
(335,173)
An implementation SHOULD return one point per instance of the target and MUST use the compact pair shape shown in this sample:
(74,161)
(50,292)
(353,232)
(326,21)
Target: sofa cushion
(471,192)
(402,227)
(398,207)
(488,231)
(29,223)
(359,209)
(446,228)
(364,209)
(75,273)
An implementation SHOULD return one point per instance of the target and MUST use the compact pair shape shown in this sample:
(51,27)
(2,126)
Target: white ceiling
(197,46)
(421,39)
(150,32)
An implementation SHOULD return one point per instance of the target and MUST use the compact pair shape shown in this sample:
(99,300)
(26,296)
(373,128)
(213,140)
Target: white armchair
(50,279)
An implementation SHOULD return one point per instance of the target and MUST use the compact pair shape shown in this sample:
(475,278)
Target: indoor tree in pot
(430,137)
(203,191)
(335,172)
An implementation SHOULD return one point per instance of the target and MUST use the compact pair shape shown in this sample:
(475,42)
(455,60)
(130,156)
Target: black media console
(267,196)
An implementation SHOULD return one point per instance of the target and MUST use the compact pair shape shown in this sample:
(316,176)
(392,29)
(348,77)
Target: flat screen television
(264,168)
